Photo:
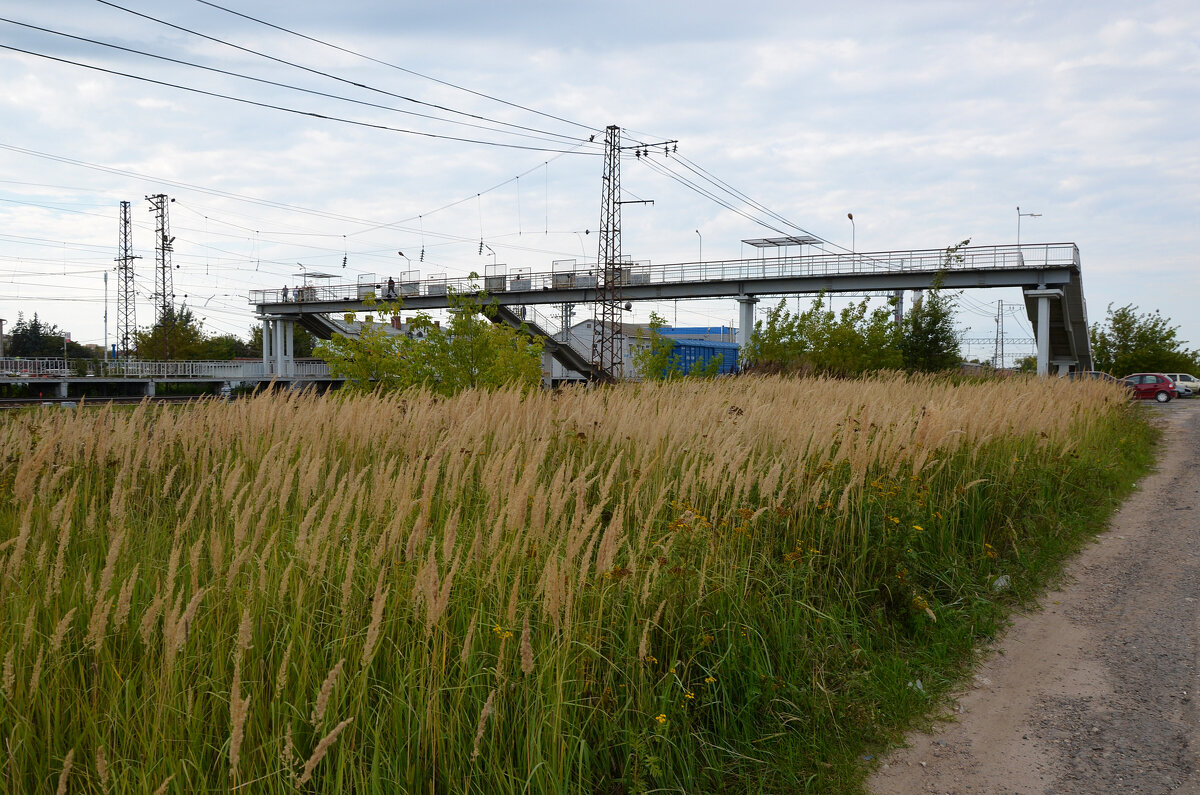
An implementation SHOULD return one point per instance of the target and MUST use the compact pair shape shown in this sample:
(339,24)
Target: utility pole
(607,326)
(164,288)
(567,312)
(998,352)
(2,322)
(126,298)
(606,317)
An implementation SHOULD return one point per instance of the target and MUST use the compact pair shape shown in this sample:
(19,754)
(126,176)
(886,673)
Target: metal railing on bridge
(225,370)
(570,274)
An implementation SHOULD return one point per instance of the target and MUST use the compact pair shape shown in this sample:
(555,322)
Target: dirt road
(1096,691)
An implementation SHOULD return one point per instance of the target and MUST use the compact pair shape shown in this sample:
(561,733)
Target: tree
(176,335)
(31,339)
(303,342)
(654,357)
(1131,343)
(928,341)
(229,346)
(821,340)
(470,352)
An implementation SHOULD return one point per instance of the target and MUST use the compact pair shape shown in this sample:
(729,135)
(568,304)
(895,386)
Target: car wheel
(1162,397)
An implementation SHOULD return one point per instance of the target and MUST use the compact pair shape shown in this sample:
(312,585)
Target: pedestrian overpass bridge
(1048,274)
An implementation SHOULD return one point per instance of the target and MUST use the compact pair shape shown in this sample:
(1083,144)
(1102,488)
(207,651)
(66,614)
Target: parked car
(1184,381)
(1150,386)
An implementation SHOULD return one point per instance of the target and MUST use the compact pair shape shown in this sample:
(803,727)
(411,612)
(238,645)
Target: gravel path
(1095,692)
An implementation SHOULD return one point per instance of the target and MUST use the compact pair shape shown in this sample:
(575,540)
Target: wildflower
(688,694)
(650,658)
(918,528)
(502,632)
(894,519)
(708,680)
(661,718)
(919,602)
(989,550)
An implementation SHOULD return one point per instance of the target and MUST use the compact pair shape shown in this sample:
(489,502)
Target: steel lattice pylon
(164,287)
(126,297)
(606,326)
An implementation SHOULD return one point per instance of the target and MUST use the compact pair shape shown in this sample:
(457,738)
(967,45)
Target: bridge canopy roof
(780,242)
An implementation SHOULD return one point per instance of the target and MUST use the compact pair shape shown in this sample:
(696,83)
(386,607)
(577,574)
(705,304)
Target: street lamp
(1025,215)
(853,231)
(493,253)
(701,245)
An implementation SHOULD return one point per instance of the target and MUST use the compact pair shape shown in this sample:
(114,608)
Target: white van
(1188,385)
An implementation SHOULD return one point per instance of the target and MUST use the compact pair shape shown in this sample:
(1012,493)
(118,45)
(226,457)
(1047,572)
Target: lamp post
(1021,215)
(493,253)
(701,245)
(853,233)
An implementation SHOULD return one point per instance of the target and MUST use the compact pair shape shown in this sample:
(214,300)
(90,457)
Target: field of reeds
(741,585)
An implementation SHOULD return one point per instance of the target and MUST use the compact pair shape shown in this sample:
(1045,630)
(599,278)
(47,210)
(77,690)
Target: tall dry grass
(484,593)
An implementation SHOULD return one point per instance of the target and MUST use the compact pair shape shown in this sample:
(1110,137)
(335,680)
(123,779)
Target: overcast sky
(931,122)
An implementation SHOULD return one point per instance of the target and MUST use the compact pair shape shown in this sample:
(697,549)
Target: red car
(1150,386)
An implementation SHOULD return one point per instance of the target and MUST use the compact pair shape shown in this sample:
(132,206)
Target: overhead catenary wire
(311,70)
(285,109)
(556,138)
(400,68)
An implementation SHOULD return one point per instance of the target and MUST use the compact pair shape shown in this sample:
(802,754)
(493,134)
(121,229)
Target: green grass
(687,588)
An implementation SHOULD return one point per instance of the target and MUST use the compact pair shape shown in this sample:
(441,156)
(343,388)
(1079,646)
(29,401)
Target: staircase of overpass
(1049,275)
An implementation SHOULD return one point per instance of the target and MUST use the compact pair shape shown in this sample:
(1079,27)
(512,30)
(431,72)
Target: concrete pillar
(745,319)
(289,347)
(266,340)
(1043,295)
(149,389)
(277,347)
(1064,368)
(62,388)
(1043,336)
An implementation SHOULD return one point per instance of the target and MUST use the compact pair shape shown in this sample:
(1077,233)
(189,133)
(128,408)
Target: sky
(317,137)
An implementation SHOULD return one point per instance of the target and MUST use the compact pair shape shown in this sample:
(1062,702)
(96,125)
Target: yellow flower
(650,658)
(689,694)
(918,528)
(662,719)
(708,680)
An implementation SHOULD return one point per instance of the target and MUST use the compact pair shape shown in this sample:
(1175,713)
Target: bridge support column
(745,323)
(280,362)
(289,348)
(1043,296)
(266,344)
(149,389)
(62,388)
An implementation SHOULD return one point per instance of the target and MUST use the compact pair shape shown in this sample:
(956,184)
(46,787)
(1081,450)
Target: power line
(317,71)
(542,136)
(284,109)
(400,68)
